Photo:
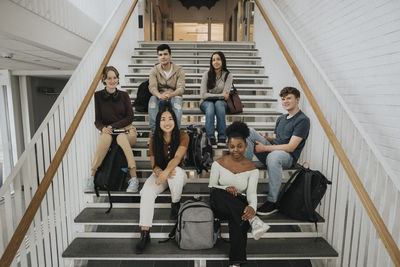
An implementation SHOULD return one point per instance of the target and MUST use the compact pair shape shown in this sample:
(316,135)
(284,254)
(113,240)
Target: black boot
(144,239)
(174,210)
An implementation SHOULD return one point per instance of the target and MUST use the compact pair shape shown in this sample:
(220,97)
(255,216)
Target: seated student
(113,110)
(167,147)
(214,91)
(232,176)
(282,150)
(166,84)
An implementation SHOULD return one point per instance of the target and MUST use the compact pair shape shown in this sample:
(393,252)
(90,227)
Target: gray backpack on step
(196,227)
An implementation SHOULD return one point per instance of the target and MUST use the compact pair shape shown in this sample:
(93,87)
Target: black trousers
(228,207)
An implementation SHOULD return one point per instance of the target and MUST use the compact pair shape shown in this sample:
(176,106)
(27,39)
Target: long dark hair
(158,140)
(212,76)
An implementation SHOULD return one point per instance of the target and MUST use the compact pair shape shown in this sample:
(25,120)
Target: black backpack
(142,97)
(109,176)
(301,195)
(199,153)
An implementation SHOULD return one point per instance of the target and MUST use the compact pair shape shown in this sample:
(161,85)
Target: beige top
(244,182)
(158,82)
(221,86)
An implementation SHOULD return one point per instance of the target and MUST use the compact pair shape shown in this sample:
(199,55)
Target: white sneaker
(258,227)
(133,185)
(89,187)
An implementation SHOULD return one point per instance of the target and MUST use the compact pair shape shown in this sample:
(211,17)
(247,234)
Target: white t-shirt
(167,74)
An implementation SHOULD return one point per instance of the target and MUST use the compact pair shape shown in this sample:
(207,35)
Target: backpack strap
(307,196)
(171,234)
(109,200)
(287,184)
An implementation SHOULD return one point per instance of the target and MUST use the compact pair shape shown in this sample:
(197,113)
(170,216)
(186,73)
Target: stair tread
(161,215)
(257,125)
(199,75)
(197,57)
(197,85)
(186,65)
(177,49)
(141,164)
(115,248)
(246,111)
(242,97)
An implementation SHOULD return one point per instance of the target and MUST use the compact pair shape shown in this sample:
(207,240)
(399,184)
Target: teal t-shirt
(298,125)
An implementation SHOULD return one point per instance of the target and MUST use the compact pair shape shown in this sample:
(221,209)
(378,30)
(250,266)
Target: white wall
(121,57)
(276,67)
(97,10)
(83,18)
(357,44)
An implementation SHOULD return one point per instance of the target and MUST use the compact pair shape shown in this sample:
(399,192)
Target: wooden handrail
(369,206)
(30,212)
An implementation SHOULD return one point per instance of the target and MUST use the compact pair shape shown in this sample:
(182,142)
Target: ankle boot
(174,210)
(144,240)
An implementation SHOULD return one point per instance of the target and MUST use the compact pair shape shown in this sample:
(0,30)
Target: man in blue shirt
(282,150)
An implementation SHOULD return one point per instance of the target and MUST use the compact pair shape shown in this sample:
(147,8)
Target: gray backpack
(196,227)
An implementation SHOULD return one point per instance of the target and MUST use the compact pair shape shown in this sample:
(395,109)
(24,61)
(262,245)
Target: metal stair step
(269,126)
(197,57)
(246,111)
(130,216)
(197,86)
(232,66)
(243,98)
(197,49)
(199,75)
(266,248)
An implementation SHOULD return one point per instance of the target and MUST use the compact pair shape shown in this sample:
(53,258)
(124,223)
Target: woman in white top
(231,177)
(214,91)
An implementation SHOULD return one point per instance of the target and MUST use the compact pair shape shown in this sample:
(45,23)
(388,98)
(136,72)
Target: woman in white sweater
(233,197)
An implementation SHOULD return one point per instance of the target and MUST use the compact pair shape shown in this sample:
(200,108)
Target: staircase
(109,239)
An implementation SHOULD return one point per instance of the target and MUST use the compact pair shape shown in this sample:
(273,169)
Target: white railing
(52,228)
(348,227)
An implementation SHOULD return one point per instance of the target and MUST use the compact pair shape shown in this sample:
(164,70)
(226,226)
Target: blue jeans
(155,104)
(215,109)
(275,162)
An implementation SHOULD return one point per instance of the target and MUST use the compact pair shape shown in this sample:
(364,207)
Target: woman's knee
(105,138)
(122,139)
(220,106)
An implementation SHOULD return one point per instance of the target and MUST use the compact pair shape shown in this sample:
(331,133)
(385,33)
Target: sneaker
(89,187)
(174,210)
(258,227)
(267,208)
(221,143)
(133,185)
(213,142)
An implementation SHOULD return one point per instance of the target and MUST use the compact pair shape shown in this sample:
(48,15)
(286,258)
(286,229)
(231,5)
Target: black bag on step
(109,176)
(199,153)
(142,97)
(303,192)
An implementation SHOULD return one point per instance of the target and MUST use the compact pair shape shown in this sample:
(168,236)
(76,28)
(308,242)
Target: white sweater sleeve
(214,176)
(251,192)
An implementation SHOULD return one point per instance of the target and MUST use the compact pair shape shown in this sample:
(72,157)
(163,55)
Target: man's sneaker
(133,185)
(221,143)
(258,227)
(89,187)
(213,142)
(267,208)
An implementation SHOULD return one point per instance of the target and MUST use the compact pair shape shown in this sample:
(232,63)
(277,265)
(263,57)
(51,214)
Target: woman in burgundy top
(113,112)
